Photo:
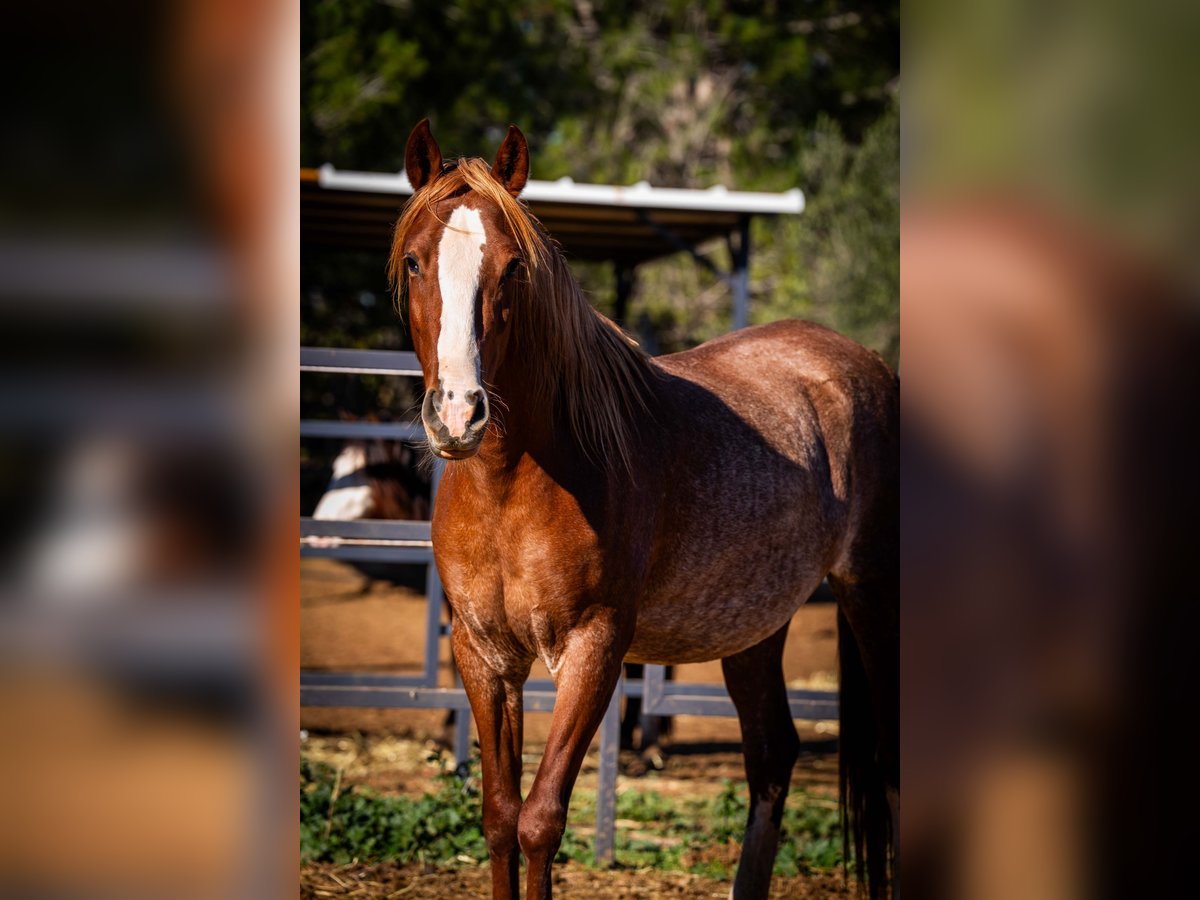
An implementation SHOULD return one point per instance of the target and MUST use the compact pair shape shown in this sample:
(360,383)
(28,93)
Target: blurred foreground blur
(1049,396)
(148,263)
(1049,375)
(148,275)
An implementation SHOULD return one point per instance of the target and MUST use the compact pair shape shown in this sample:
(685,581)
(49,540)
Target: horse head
(456,255)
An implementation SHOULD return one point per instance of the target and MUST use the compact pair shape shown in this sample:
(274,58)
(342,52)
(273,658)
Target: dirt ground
(353,623)
(378,882)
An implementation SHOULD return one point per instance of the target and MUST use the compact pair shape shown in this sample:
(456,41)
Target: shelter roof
(626,224)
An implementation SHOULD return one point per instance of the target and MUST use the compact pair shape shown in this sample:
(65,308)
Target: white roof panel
(565,190)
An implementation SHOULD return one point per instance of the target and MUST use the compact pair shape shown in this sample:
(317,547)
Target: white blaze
(460,258)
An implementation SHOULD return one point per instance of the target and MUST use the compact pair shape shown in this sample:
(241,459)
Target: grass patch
(341,824)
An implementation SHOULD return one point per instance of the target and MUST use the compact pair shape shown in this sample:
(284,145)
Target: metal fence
(410,542)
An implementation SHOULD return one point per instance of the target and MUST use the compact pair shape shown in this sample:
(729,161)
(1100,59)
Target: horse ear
(511,168)
(422,156)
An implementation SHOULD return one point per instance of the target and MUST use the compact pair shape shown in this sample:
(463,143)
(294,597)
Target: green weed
(699,835)
(340,826)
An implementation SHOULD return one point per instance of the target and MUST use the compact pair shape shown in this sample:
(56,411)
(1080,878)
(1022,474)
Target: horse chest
(519,584)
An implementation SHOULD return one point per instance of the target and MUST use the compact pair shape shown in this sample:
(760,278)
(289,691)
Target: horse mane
(575,356)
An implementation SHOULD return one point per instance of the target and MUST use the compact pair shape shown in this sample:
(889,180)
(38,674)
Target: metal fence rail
(360,362)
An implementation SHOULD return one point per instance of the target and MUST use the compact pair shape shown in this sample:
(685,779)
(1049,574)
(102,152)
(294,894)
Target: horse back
(817,400)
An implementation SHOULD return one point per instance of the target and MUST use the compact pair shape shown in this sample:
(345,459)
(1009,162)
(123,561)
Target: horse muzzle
(455,421)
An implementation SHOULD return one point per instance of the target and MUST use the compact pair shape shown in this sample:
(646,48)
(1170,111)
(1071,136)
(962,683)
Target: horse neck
(538,371)
(524,421)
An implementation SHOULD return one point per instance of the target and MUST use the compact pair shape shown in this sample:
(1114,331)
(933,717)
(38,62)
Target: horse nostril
(478,413)
(472,396)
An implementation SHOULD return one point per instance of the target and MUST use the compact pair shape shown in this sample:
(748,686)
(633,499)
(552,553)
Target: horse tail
(862,781)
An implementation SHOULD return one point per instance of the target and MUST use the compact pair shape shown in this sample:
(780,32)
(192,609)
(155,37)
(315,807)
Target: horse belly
(724,608)
(746,542)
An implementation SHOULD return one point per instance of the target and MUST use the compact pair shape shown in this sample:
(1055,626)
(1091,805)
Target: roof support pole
(624,273)
(739,280)
(680,244)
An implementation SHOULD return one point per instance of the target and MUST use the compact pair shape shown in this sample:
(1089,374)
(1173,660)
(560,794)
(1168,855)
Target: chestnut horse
(601,505)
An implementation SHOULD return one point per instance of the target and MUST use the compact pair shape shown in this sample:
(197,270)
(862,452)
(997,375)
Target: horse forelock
(576,359)
(463,177)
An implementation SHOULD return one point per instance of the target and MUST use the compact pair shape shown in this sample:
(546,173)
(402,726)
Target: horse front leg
(589,665)
(496,701)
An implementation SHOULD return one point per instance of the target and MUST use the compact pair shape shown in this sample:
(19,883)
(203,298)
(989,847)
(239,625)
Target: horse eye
(413,268)
(511,269)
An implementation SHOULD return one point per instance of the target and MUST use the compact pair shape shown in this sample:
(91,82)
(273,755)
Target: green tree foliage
(756,96)
(839,263)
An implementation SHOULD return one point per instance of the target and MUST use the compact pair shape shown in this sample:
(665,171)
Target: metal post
(433,601)
(653,689)
(739,281)
(462,736)
(433,632)
(606,782)
(624,273)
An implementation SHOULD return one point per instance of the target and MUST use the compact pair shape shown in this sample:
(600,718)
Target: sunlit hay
(579,361)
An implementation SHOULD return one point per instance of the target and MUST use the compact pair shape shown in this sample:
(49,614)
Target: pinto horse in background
(601,505)
(374,479)
(377,479)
